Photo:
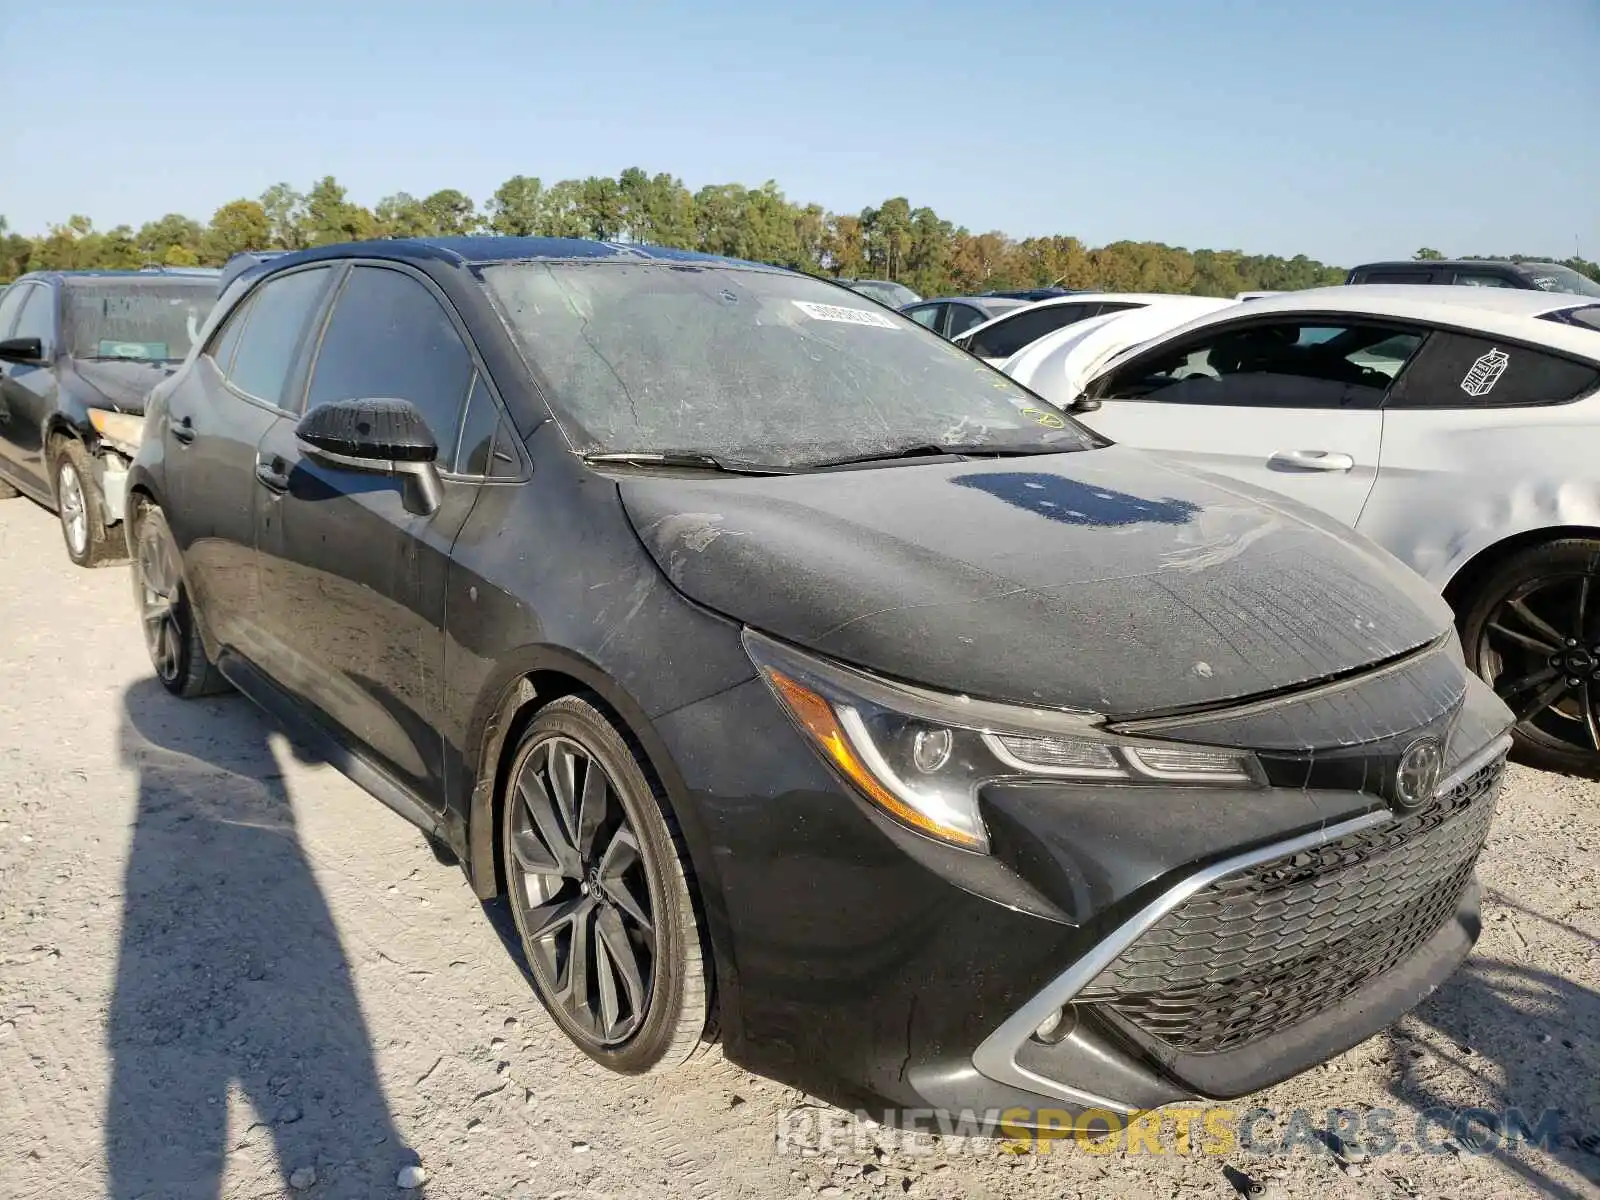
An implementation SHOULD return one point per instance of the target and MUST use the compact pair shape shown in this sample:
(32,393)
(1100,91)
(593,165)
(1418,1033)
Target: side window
(1480,279)
(926,314)
(38,317)
(389,337)
(10,303)
(1111,306)
(1005,338)
(1397,277)
(274,330)
(1313,364)
(486,447)
(1457,370)
(962,318)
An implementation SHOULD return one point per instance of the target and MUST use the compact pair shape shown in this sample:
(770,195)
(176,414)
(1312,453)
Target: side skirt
(355,766)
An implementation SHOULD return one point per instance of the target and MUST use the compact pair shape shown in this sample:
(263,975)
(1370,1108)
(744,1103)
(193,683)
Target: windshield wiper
(936,450)
(692,460)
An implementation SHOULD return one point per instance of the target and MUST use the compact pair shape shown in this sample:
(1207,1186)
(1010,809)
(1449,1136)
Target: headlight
(123,430)
(921,756)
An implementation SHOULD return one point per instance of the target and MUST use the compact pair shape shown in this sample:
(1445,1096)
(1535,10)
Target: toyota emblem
(1418,773)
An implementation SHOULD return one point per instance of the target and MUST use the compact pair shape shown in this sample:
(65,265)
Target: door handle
(1311,460)
(273,473)
(182,429)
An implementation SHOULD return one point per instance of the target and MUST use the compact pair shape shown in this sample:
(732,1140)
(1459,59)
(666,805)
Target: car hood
(1109,580)
(125,383)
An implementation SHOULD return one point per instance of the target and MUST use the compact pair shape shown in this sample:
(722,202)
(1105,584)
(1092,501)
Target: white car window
(1282,364)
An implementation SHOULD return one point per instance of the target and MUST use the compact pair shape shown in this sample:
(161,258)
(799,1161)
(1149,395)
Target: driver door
(1291,404)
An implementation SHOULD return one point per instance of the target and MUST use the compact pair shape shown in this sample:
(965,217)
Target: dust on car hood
(1109,580)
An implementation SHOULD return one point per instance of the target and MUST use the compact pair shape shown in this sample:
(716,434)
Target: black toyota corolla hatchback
(793,674)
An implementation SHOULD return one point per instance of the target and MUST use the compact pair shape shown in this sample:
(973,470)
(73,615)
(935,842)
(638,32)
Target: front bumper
(1193,936)
(111,474)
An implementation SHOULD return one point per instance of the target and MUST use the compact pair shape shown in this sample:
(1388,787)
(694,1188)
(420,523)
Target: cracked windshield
(760,367)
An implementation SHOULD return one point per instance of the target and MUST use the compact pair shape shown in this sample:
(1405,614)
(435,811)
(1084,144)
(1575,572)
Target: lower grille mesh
(1264,949)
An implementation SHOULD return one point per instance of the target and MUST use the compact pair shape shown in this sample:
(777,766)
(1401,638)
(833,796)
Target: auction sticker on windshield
(846,316)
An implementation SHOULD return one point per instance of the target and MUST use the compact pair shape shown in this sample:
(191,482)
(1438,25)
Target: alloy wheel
(74,509)
(157,565)
(1540,649)
(583,893)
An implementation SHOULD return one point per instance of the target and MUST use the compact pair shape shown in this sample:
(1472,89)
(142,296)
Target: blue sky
(1349,130)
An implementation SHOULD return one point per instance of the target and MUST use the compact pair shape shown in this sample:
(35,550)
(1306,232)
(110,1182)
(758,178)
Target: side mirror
(1083,404)
(22,350)
(379,436)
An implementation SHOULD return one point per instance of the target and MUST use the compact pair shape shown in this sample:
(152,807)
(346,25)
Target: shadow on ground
(231,978)
(1514,1036)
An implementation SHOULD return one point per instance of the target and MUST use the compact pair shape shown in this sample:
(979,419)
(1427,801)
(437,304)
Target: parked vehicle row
(793,673)
(79,352)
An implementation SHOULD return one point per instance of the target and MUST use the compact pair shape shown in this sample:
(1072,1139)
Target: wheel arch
(525,683)
(1471,575)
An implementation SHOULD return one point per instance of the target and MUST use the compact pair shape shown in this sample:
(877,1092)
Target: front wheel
(83,525)
(600,888)
(171,634)
(1532,630)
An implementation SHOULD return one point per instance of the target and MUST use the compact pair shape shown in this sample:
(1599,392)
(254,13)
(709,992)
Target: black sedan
(793,673)
(79,351)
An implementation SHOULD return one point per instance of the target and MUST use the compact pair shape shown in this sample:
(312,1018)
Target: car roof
(486,249)
(1507,312)
(996,304)
(1141,298)
(203,273)
(1465,264)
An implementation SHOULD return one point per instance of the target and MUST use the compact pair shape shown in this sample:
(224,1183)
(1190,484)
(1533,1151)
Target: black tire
(172,635)
(665,1029)
(1531,628)
(79,507)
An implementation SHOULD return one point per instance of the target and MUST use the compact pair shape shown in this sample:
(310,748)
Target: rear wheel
(78,505)
(1532,630)
(171,634)
(600,888)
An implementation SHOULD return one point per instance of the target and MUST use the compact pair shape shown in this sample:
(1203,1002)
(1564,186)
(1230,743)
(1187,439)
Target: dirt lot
(225,970)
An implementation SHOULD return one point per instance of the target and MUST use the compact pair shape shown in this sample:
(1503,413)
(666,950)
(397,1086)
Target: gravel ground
(224,970)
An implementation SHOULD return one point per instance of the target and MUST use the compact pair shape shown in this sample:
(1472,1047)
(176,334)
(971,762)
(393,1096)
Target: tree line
(913,246)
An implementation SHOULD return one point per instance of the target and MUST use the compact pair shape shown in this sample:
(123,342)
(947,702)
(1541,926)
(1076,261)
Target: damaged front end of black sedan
(1186,832)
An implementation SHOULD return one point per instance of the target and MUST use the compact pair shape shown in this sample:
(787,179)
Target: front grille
(1273,945)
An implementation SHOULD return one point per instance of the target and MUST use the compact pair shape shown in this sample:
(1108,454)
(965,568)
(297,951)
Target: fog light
(1058,1026)
(930,750)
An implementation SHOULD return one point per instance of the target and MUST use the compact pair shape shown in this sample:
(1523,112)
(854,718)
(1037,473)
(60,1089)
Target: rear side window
(1458,370)
(274,329)
(389,338)
(1482,279)
(927,315)
(1396,277)
(1005,338)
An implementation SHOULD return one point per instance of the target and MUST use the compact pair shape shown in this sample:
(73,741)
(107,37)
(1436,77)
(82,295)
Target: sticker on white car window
(1485,373)
(845,316)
